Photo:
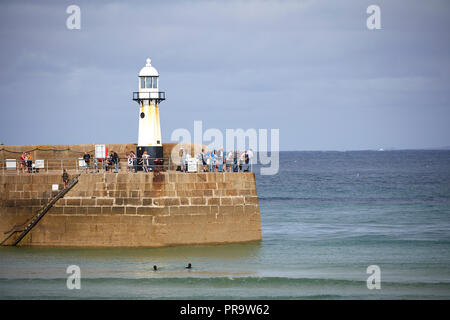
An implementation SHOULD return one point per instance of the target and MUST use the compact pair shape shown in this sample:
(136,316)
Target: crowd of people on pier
(112,160)
(219,160)
(205,161)
(26,162)
(211,161)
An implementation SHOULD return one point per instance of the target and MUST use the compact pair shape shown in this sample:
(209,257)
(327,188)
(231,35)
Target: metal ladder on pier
(31,223)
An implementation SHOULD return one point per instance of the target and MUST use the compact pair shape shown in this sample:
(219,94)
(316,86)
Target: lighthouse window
(142,82)
(155,82)
(148,82)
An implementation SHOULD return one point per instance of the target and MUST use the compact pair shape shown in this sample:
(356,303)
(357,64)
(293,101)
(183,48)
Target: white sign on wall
(10,163)
(39,164)
(100,151)
(192,165)
(81,163)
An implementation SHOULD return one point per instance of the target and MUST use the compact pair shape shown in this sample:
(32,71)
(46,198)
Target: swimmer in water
(155,268)
(189,266)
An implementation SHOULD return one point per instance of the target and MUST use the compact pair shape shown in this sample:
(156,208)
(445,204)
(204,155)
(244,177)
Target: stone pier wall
(46,152)
(135,210)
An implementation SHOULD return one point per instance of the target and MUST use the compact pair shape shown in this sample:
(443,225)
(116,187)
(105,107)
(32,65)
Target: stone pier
(134,210)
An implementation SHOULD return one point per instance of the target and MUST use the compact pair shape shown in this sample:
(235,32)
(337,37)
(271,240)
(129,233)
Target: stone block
(106,210)
(10,203)
(214,209)
(198,209)
(230,192)
(244,192)
(184,201)
(198,201)
(226,201)
(158,186)
(94,210)
(201,177)
(154,211)
(70,210)
(162,219)
(84,210)
(226,210)
(166,201)
(209,185)
(102,193)
(251,200)
(105,202)
(147,201)
(176,210)
(131,210)
(238,210)
(194,193)
(35,202)
(73,201)
(53,179)
(123,194)
(88,202)
(134,194)
(132,201)
(153,194)
(56,210)
(39,179)
(208,193)
(250,209)
(117,210)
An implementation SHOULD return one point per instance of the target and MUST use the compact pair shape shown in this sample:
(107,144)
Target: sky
(310,68)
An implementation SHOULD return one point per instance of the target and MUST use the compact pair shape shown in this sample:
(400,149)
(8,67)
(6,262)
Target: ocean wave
(224,282)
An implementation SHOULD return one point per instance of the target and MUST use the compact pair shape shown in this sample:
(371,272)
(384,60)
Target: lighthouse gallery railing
(143,96)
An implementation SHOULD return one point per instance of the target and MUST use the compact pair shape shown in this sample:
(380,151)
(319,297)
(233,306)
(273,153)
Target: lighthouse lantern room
(149,97)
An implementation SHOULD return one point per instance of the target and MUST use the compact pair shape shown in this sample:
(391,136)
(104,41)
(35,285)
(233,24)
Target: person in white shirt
(145,161)
(250,157)
(183,160)
(220,160)
(130,162)
(241,160)
(229,162)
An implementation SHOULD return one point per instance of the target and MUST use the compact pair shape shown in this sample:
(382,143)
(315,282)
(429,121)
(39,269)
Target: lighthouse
(149,97)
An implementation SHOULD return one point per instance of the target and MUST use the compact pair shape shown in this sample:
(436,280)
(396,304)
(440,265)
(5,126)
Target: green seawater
(326,217)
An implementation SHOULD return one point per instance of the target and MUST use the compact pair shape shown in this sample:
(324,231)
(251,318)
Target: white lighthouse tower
(148,97)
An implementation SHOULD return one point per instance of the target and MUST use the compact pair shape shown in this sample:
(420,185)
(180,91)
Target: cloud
(229,63)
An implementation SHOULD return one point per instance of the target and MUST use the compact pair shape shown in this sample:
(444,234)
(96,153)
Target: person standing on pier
(87,160)
(220,155)
(130,162)
(29,159)
(134,158)
(250,157)
(145,161)
(22,162)
(65,178)
(229,162)
(115,159)
(183,159)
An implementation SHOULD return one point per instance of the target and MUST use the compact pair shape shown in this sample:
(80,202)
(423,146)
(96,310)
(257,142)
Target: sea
(335,225)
